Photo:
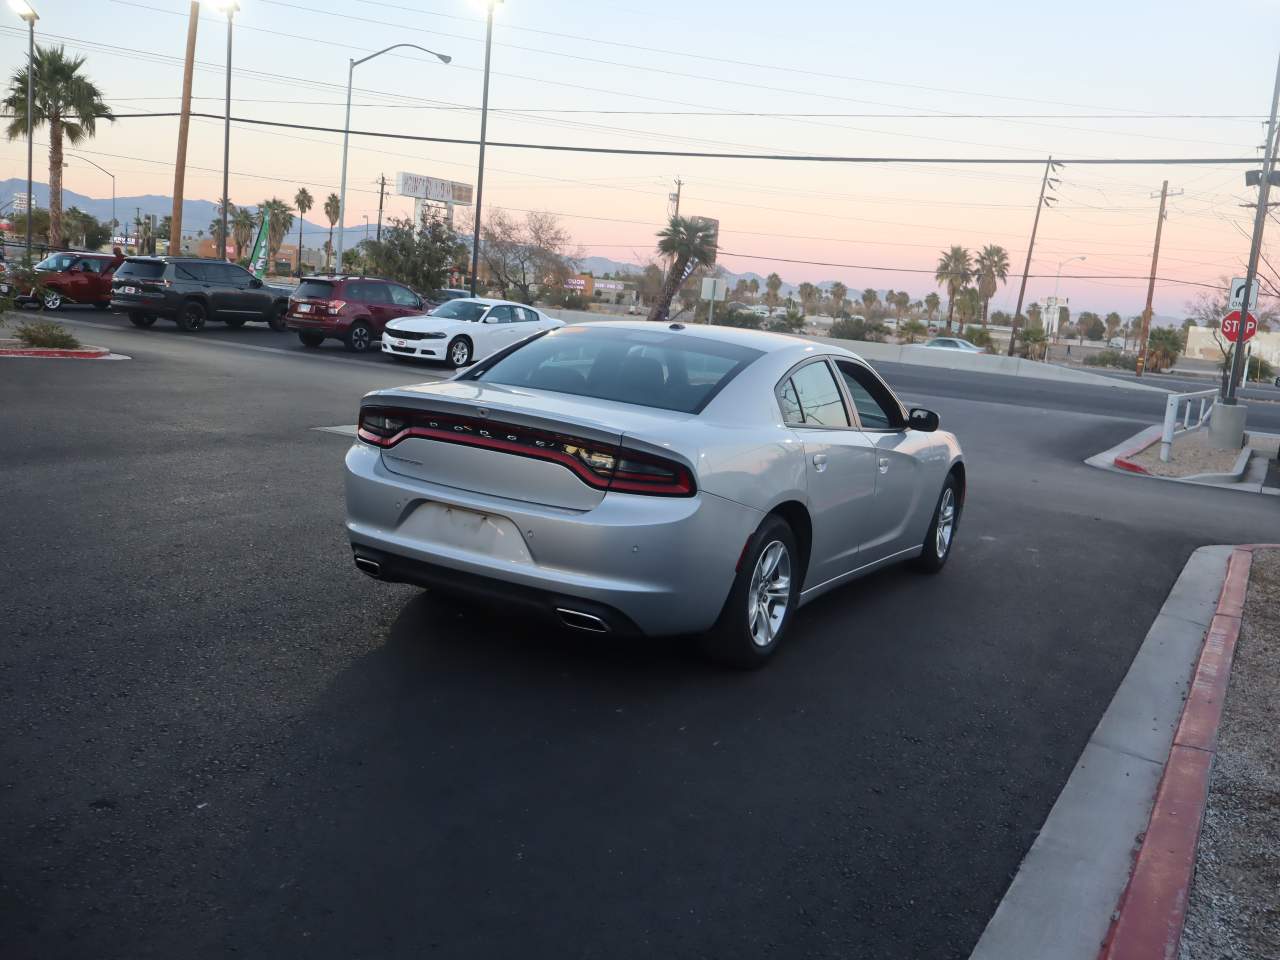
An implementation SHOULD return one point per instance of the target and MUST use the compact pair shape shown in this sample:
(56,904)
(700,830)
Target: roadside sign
(715,288)
(1231,326)
(1236,301)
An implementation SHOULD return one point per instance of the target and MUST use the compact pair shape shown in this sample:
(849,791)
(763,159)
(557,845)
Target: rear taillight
(336,307)
(604,466)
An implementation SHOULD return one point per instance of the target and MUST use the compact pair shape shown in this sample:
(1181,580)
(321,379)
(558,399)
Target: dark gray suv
(191,291)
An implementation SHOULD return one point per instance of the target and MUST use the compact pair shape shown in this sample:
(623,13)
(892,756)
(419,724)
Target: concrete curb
(1134,446)
(84,353)
(1151,913)
(1061,903)
(1117,460)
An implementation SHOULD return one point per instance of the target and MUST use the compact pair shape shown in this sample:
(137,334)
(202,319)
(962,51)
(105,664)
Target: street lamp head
(24,10)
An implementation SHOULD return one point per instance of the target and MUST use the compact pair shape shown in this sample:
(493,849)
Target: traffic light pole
(1259,221)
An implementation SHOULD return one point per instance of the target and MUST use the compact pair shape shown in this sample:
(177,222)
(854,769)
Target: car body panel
(159,286)
(78,277)
(666,563)
(373,300)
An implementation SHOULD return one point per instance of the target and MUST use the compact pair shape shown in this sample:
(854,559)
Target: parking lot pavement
(221,737)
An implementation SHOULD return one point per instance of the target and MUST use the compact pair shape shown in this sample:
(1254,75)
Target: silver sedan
(629,477)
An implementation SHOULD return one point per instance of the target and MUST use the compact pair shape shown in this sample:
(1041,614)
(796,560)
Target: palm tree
(968,305)
(955,270)
(901,303)
(869,300)
(1113,323)
(772,286)
(242,225)
(931,304)
(809,297)
(992,269)
(68,102)
(281,224)
(686,241)
(304,202)
(332,209)
(754,286)
(839,292)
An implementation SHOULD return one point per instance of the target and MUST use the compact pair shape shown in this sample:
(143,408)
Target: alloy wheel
(946,522)
(769,595)
(359,338)
(52,300)
(460,353)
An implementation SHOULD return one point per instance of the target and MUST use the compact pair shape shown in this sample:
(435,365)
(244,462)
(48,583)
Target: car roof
(337,277)
(762,340)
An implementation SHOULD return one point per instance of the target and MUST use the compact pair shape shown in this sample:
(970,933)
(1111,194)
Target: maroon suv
(351,309)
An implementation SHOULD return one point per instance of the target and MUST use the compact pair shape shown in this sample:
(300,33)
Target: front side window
(877,408)
(58,262)
(819,396)
(403,297)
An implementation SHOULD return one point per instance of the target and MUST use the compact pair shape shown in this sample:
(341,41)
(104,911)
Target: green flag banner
(258,259)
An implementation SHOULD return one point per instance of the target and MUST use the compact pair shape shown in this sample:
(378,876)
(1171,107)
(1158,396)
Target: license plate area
(131,291)
(490,535)
(304,308)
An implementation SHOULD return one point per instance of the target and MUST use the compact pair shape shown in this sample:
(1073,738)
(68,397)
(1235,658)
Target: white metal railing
(1171,409)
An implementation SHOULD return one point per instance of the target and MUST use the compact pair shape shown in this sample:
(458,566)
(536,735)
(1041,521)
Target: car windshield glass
(669,371)
(59,261)
(313,290)
(468,310)
(142,269)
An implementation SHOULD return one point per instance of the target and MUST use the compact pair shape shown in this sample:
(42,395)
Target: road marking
(425,373)
(344,430)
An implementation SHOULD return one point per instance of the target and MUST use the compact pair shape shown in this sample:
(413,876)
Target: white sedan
(463,331)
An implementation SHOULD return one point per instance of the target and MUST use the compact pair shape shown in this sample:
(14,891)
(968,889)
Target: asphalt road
(220,738)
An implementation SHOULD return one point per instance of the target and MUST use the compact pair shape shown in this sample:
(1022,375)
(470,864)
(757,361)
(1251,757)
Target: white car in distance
(462,331)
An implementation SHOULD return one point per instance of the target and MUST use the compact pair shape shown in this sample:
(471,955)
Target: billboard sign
(433,188)
(610,286)
(575,283)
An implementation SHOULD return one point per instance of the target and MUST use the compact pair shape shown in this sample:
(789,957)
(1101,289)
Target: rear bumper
(158,306)
(329,326)
(652,565)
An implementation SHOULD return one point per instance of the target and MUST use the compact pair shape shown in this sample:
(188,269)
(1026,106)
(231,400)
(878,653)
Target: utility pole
(1151,284)
(184,122)
(675,198)
(1049,167)
(1229,398)
(382,189)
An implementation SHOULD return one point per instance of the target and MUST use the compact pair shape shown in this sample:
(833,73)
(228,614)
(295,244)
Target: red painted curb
(1149,919)
(89,353)
(1122,460)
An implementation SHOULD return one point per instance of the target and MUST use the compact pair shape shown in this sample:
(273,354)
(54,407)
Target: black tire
(935,550)
(233,322)
(459,352)
(191,316)
(311,339)
(276,320)
(746,635)
(140,319)
(359,338)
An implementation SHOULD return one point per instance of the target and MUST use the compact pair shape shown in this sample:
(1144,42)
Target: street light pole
(1057,280)
(230,7)
(484,124)
(113,193)
(346,132)
(28,13)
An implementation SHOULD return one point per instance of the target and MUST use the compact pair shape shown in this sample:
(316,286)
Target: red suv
(351,309)
(75,278)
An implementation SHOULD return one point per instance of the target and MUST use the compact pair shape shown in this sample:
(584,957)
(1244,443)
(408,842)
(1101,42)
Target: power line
(700,154)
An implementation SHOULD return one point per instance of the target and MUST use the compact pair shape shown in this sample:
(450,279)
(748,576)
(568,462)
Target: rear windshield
(142,269)
(313,290)
(669,371)
(468,310)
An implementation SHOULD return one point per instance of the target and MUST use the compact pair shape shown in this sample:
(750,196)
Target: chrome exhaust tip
(372,567)
(577,620)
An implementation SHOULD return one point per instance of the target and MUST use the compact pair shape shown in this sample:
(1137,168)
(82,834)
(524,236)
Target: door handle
(820,461)
(884,464)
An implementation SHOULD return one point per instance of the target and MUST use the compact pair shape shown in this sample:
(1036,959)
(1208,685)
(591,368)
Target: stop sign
(1231,326)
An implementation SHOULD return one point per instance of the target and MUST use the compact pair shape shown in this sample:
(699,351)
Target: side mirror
(926,421)
(255,282)
(491,318)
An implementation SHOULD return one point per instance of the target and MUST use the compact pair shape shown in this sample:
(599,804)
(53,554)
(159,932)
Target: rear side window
(814,389)
(141,269)
(651,369)
(314,290)
(189,271)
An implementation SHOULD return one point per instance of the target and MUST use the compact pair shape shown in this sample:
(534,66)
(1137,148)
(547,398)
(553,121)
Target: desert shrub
(45,333)
(979,337)
(858,329)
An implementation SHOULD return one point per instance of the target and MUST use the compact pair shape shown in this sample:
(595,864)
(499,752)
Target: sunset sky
(929,79)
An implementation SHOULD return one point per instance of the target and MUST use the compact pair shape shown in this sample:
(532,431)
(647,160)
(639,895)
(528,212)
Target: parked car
(351,309)
(629,477)
(952,343)
(72,277)
(191,291)
(461,332)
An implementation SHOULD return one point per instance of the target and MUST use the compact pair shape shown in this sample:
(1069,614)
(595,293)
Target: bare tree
(522,254)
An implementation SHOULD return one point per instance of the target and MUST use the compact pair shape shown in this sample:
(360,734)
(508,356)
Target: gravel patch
(1234,909)
(1191,454)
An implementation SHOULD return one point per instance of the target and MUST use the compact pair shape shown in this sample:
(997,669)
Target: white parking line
(344,430)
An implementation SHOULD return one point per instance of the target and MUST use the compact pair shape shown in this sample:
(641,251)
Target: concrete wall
(1201,345)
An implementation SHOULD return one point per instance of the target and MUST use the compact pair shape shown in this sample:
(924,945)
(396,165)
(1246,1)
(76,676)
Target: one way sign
(1237,295)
